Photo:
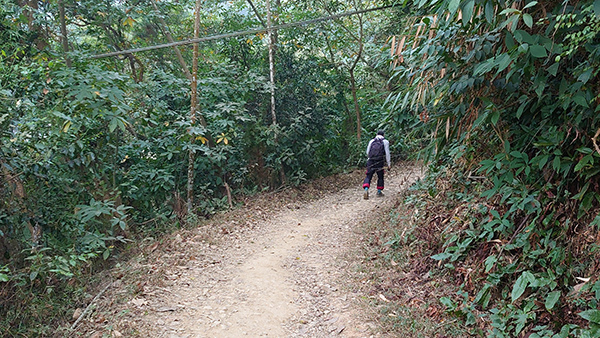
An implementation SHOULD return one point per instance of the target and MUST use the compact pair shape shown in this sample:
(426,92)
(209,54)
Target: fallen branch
(87,309)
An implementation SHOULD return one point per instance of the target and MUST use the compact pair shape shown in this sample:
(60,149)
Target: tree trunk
(193,108)
(271,62)
(29,7)
(63,31)
(272,41)
(356,106)
(353,79)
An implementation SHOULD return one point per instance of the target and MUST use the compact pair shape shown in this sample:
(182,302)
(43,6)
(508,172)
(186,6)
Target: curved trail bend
(283,278)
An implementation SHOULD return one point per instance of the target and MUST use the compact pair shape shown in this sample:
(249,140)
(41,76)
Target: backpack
(377,150)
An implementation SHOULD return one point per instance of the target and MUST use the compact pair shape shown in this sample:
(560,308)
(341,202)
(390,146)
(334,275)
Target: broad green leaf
(591,315)
(583,162)
(495,117)
(4,277)
(490,12)
(489,262)
(33,275)
(467,12)
(553,69)
(540,86)
(450,305)
(441,256)
(61,115)
(503,60)
(538,51)
(531,4)
(551,300)
(519,287)
(484,296)
(453,6)
(484,67)
(508,11)
(543,161)
(113,124)
(586,150)
(585,76)
(521,109)
(524,37)
(83,92)
(580,100)
(531,279)
(596,223)
(528,20)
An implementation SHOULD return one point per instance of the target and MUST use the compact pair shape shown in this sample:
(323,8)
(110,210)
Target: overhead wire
(240,33)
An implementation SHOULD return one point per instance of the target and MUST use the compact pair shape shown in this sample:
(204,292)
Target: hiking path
(262,273)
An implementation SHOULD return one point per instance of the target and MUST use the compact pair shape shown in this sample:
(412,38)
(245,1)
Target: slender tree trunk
(182,63)
(193,108)
(271,62)
(356,106)
(353,78)
(29,7)
(272,42)
(63,31)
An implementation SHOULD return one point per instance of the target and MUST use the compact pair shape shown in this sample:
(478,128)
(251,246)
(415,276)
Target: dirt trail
(282,279)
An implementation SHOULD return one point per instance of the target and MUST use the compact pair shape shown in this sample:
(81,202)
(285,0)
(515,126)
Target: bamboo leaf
(467,12)
(490,13)
(453,6)
(509,11)
(503,61)
(591,315)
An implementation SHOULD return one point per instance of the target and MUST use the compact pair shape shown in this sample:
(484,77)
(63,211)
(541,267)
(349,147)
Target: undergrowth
(502,267)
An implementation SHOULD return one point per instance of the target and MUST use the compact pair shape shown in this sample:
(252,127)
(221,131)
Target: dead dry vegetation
(354,268)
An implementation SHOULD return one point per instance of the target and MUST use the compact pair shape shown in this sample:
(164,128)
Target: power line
(234,34)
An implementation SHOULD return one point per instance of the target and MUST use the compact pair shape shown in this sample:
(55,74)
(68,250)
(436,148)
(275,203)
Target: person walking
(378,153)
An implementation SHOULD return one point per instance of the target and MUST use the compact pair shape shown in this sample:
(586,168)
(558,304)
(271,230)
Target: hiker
(378,152)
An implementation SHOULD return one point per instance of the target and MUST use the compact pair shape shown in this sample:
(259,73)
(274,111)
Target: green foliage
(524,79)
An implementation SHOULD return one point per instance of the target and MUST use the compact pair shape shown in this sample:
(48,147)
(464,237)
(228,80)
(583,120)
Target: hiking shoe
(366,195)
(379,193)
